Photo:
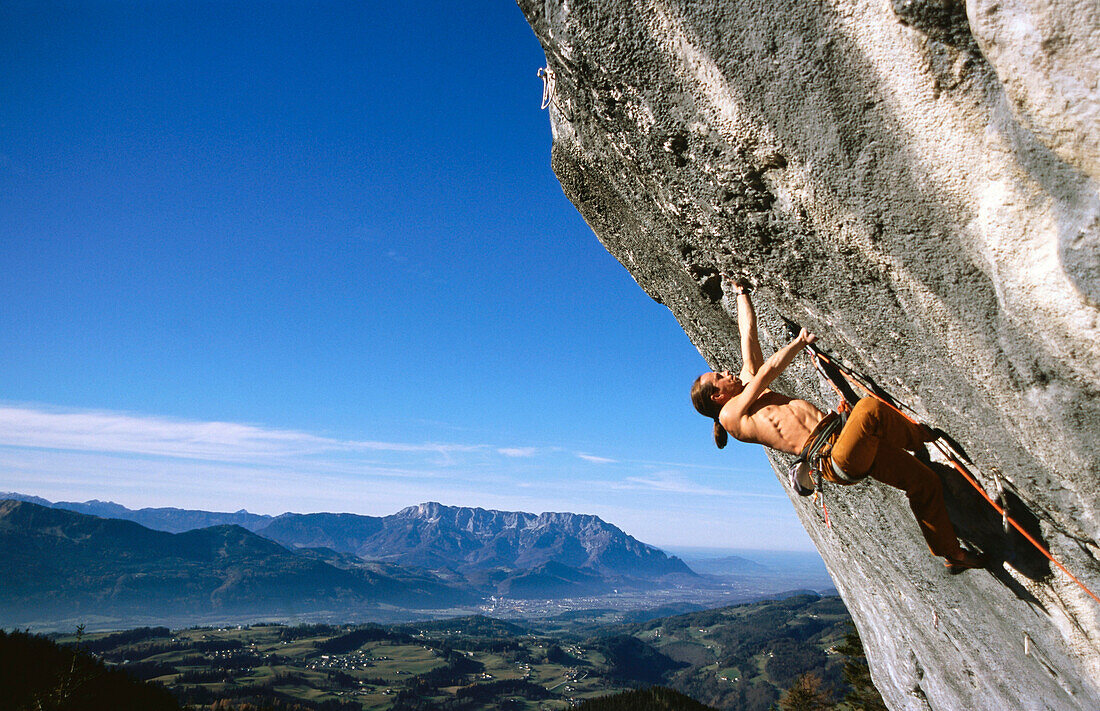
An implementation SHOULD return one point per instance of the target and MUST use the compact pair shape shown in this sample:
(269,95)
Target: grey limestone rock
(916,182)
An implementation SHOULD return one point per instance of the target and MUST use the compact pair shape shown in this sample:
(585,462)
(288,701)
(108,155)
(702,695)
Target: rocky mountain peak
(429,510)
(478,519)
(432,534)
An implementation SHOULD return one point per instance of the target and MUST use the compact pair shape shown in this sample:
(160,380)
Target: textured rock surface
(924,198)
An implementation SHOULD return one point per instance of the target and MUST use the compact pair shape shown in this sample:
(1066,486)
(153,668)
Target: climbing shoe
(966,561)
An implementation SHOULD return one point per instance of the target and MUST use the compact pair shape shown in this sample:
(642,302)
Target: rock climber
(875,440)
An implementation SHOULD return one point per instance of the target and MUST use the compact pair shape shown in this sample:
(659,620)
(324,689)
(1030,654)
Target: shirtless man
(872,443)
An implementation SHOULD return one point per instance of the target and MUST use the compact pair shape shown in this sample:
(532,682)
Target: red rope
(958,467)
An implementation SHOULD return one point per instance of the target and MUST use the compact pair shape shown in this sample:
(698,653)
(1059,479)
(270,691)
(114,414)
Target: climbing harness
(811,460)
(824,364)
(815,459)
(819,449)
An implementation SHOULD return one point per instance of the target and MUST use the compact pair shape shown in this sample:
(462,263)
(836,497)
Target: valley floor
(738,657)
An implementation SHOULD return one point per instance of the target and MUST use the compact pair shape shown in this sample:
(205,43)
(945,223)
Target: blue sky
(311,256)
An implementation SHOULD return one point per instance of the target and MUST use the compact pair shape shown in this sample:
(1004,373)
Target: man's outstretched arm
(751,356)
(768,372)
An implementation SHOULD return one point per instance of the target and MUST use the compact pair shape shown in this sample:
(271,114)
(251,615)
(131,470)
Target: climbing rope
(844,405)
(819,358)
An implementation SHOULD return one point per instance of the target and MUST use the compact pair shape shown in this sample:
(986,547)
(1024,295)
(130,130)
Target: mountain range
(61,561)
(429,535)
(465,539)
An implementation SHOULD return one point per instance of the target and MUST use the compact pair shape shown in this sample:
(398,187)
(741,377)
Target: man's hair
(701,398)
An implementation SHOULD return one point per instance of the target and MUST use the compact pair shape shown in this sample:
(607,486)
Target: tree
(862,694)
(806,694)
(38,675)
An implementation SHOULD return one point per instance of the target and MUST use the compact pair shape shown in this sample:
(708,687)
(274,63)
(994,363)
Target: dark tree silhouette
(862,694)
(37,674)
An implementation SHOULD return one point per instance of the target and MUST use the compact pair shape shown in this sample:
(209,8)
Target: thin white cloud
(271,486)
(158,436)
(596,460)
(518,451)
(158,461)
(731,468)
(672,482)
(677,485)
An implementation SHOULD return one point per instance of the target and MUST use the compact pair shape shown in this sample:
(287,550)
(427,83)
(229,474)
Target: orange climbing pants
(874,443)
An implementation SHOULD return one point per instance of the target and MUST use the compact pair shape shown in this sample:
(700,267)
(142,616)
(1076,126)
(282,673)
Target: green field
(738,657)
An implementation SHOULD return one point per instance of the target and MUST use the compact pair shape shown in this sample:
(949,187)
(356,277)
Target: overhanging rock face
(916,182)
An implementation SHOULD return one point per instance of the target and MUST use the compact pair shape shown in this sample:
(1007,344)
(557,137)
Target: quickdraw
(550,92)
(549,83)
